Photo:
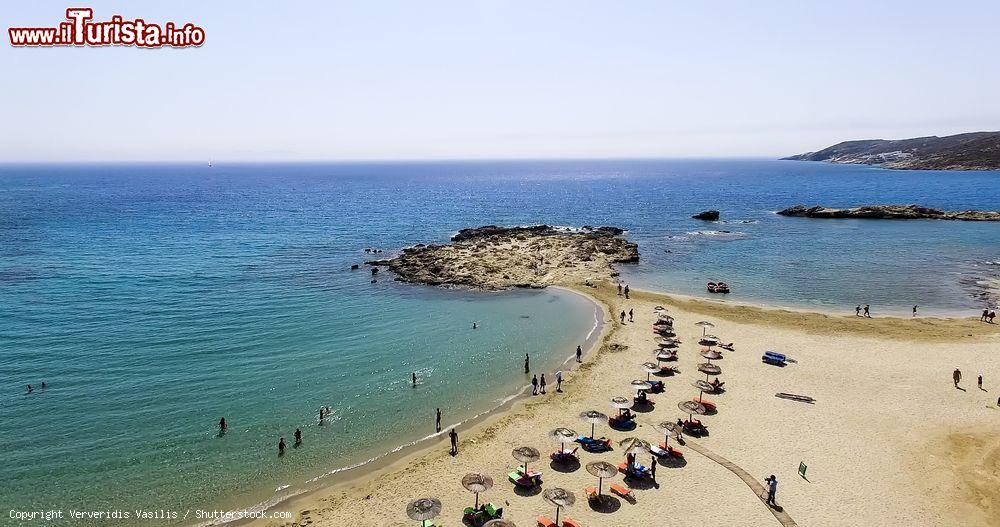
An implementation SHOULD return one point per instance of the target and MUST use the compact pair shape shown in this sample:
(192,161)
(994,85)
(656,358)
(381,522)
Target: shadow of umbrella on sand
(476,483)
(423,509)
(601,469)
(560,498)
(593,417)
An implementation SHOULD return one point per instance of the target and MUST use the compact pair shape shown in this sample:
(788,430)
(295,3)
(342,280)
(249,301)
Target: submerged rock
(708,215)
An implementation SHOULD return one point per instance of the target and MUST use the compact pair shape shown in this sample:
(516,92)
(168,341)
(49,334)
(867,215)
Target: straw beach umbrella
(499,522)
(640,385)
(560,498)
(669,429)
(475,482)
(423,509)
(704,386)
(526,454)
(691,408)
(620,403)
(704,326)
(709,369)
(650,368)
(593,417)
(562,436)
(601,469)
(634,445)
(711,354)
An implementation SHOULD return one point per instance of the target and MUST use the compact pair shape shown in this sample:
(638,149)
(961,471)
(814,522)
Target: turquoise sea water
(156,298)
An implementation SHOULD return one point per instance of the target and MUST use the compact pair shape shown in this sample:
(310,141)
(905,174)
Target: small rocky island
(495,258)
(891,212)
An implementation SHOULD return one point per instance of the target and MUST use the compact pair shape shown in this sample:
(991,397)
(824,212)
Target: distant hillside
(972,151)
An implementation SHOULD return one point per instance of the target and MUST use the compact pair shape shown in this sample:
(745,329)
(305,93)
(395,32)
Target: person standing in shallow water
(281,446)
(541,383)
(298,436)
(857,310)
(527,363)
(579,354)
(413,377)
(534,385)
(437,421)
(914,310)
(868,311)
(223,426)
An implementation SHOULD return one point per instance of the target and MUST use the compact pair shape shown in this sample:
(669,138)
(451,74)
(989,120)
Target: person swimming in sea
(30,389)
(413,377)
(475,325)
(223,426)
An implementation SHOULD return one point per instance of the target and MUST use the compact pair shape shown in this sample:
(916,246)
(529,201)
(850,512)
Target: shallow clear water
(156,298)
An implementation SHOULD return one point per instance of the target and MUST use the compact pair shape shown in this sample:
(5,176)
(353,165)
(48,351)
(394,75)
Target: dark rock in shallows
(708,215)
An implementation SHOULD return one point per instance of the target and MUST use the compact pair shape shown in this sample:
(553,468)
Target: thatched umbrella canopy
(601,469)
(476,482)
(499,522)
(560,498)
(563,436)
(423,509)
(526,454)
(669,429)
(691,408)
(593,417)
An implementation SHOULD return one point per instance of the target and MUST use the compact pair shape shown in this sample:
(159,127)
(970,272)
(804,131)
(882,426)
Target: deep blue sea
(154,299)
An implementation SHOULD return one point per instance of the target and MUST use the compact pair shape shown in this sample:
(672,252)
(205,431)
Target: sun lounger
(570,522)
(663,450)
(533,474)
(522,480)
(771,357)
(563,455)
(622,491)
(656,386)
(591,492)
(591,444)
(545,522)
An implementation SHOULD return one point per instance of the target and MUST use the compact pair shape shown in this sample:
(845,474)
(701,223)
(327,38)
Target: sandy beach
(888,441)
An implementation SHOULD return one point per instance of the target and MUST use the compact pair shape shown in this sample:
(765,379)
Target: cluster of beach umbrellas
(425,509)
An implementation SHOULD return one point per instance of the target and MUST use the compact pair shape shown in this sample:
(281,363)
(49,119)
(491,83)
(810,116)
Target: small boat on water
(718,287)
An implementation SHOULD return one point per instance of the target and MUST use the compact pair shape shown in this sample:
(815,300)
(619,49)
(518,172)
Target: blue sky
(337,80)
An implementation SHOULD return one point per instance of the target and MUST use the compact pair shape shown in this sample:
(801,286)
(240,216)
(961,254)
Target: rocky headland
(891,212)
(971,151)
(495,258)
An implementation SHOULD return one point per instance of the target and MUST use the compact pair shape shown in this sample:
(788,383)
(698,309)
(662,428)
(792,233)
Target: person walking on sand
(453,435)
(857,310)
(652,470)
(630,315)
(623,317)
(979,381)
(527,363)
(223,426)
(579,354)
(772,490)
(437,420)
(868,311)
(534,385)
(986,313)
(559,381)
(541,383)
(914,310)
(626,291)
(619,289)
(956,376)
(281,446)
